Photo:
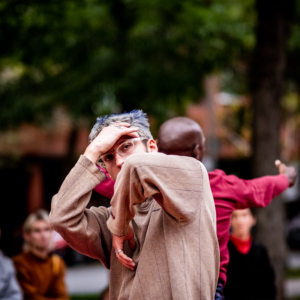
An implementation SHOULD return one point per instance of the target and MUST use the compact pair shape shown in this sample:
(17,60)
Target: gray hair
(134,118)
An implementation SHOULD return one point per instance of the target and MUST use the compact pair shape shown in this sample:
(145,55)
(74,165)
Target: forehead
(39,224)
(242,212)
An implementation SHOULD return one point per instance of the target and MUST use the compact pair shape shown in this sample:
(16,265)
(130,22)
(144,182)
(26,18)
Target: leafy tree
(98,56)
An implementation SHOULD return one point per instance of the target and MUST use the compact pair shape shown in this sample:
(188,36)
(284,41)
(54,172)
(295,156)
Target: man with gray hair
(158,238)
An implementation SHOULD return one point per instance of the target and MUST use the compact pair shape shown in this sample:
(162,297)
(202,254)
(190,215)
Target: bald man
(182,136)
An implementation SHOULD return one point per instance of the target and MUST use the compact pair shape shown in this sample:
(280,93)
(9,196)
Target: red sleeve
(247,193)
(106,187)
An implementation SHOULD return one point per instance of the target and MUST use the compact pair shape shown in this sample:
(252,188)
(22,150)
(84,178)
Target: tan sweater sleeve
(175,182)
(83,229)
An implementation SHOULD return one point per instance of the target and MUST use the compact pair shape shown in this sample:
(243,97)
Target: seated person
(249,273)
(9,287)
(40,273)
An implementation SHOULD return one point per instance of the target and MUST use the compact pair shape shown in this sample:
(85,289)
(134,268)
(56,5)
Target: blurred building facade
(34,160)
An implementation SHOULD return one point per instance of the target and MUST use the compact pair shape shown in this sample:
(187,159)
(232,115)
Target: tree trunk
(267,88)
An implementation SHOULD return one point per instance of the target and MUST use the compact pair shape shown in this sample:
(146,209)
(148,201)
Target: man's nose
(119,160)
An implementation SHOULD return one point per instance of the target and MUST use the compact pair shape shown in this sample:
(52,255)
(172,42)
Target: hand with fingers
(289,172)
(118,244)
(107,138)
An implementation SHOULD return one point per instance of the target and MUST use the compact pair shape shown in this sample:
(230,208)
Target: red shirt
(230,193)
(106,187)
(240,245)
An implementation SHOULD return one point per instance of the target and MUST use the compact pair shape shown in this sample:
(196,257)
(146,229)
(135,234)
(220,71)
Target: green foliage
(293,273)
(100,56)
(293,50)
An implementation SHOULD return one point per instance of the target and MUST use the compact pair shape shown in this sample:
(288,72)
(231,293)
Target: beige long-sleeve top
(169,201)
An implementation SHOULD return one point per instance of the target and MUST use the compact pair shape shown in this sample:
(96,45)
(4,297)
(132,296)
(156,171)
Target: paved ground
(292,288)
(87,279)
(94,278)
(293,260)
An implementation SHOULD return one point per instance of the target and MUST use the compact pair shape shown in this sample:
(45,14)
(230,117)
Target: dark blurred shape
(293,238)
(293,224)
(267,68)
(33,163)
(250,275)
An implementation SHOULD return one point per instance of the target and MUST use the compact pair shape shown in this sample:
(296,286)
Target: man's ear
(152,146)
(197,152)
(26,236)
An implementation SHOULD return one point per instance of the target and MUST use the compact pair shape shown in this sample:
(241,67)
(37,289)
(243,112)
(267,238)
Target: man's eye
(108,157)
(126,146)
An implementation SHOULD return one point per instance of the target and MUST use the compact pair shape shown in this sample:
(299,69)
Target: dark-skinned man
(184,137)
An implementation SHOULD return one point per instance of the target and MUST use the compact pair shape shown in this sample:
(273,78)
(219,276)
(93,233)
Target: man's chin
(115,176)
(42,248)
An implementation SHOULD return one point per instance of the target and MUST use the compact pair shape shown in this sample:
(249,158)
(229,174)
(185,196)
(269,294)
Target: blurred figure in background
(9,287)
(249,273)
(39,272)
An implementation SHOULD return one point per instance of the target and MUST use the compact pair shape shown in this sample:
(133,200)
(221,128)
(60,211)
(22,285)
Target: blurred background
(232,66)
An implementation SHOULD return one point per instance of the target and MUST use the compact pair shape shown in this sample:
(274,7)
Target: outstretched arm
(257,192)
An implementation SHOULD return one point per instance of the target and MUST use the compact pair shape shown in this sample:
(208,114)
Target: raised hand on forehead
(107,138)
